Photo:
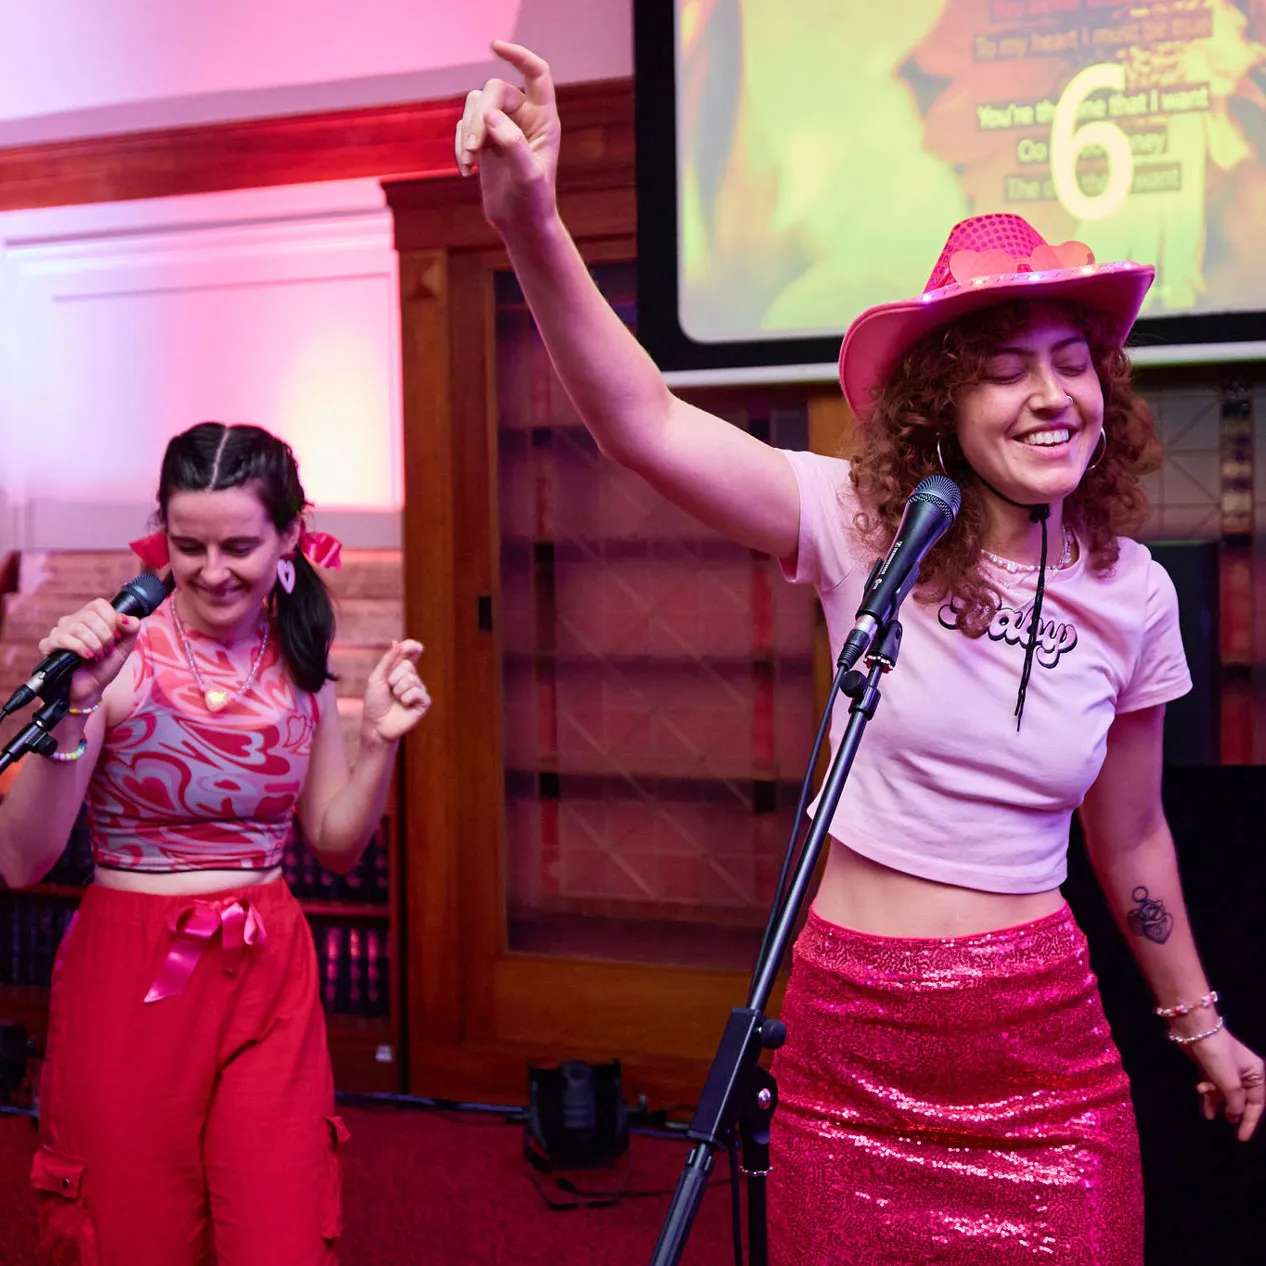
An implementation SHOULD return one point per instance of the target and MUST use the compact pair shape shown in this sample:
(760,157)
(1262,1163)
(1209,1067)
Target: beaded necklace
(1015,569)
(219,699)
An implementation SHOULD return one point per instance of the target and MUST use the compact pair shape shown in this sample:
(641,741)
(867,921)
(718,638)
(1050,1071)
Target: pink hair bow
(969,266)
(152,549)
(319,548)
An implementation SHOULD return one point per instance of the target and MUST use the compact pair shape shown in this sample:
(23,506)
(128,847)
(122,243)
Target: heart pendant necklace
(217,699)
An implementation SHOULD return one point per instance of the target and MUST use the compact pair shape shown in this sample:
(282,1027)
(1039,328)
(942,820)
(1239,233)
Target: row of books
(30,932)
(354,961)
(367,883)
(355,965)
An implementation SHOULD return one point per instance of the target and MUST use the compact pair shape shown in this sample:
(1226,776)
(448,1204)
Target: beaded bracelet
(83,712)
(1185,1008)
(1196,1037)
(69,756)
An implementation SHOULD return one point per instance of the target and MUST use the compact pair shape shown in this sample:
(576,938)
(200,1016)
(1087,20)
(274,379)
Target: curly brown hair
(919,406)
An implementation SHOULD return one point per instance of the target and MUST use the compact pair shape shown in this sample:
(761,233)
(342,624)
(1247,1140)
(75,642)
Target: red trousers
(194,1129)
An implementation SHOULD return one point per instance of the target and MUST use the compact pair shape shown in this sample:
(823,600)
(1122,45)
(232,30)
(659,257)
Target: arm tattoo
(1149,917)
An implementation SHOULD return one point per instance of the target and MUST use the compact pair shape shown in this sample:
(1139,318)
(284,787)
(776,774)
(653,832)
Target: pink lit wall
(74,68)
(123,323)
(127,322)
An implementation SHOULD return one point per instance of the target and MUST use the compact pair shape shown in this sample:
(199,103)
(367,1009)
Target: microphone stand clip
(37,735)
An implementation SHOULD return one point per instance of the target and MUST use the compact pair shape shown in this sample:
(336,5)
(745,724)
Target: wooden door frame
(478,1014)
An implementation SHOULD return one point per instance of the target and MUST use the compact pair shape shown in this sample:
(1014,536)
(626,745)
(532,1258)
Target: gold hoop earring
(940,460)
(1102,451)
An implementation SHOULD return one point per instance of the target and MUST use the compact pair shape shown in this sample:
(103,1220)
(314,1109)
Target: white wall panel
(126,324)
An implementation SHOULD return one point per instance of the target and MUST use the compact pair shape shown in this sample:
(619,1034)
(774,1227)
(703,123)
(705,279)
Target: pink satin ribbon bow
(319,548)
(152,550)
(192,930)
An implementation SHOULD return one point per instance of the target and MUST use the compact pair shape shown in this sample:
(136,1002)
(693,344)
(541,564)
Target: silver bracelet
(1196,1037)
(1185,1008)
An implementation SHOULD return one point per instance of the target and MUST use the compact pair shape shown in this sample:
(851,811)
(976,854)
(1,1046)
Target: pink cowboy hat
(986,260)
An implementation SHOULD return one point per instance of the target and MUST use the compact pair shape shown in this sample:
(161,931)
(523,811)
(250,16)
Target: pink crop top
(943,786)
(178,787)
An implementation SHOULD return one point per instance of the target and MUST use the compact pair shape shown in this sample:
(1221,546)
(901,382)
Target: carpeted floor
(420,1187)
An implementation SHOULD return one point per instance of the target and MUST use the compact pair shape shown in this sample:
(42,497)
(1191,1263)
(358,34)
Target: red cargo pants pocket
(332,1217)
(67,1234)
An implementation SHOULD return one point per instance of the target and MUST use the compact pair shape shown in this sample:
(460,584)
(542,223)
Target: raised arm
(339,809)
(711,469)
(1132,852)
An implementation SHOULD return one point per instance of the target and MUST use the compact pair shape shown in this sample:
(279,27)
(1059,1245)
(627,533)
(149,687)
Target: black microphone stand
(37,735)
(739,1093)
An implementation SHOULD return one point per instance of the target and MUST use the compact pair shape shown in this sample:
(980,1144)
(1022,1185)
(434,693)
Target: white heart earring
(286,574)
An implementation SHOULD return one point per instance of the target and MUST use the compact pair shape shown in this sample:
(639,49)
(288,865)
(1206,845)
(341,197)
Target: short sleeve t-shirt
(943,785)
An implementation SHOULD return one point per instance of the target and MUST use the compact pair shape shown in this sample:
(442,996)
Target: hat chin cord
(1038,514)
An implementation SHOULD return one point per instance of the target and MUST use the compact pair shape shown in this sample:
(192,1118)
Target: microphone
(928,515)
(140,597)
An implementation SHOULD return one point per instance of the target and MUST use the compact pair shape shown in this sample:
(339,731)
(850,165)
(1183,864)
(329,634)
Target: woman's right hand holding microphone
(102,638)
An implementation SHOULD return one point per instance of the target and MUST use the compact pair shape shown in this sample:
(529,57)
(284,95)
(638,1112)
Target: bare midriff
(862,895)
(183,883)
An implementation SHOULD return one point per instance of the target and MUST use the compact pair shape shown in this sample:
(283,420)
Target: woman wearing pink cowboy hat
(949,1089)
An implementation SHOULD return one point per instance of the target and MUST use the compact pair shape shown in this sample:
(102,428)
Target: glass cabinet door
(657,682)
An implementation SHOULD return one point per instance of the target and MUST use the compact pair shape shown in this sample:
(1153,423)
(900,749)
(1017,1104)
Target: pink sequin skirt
(954,1100)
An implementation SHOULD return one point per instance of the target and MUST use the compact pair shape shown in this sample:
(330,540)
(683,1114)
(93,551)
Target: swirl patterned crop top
(179,787)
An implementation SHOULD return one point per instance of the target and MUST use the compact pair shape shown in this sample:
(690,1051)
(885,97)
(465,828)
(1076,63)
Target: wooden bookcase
(494,463)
